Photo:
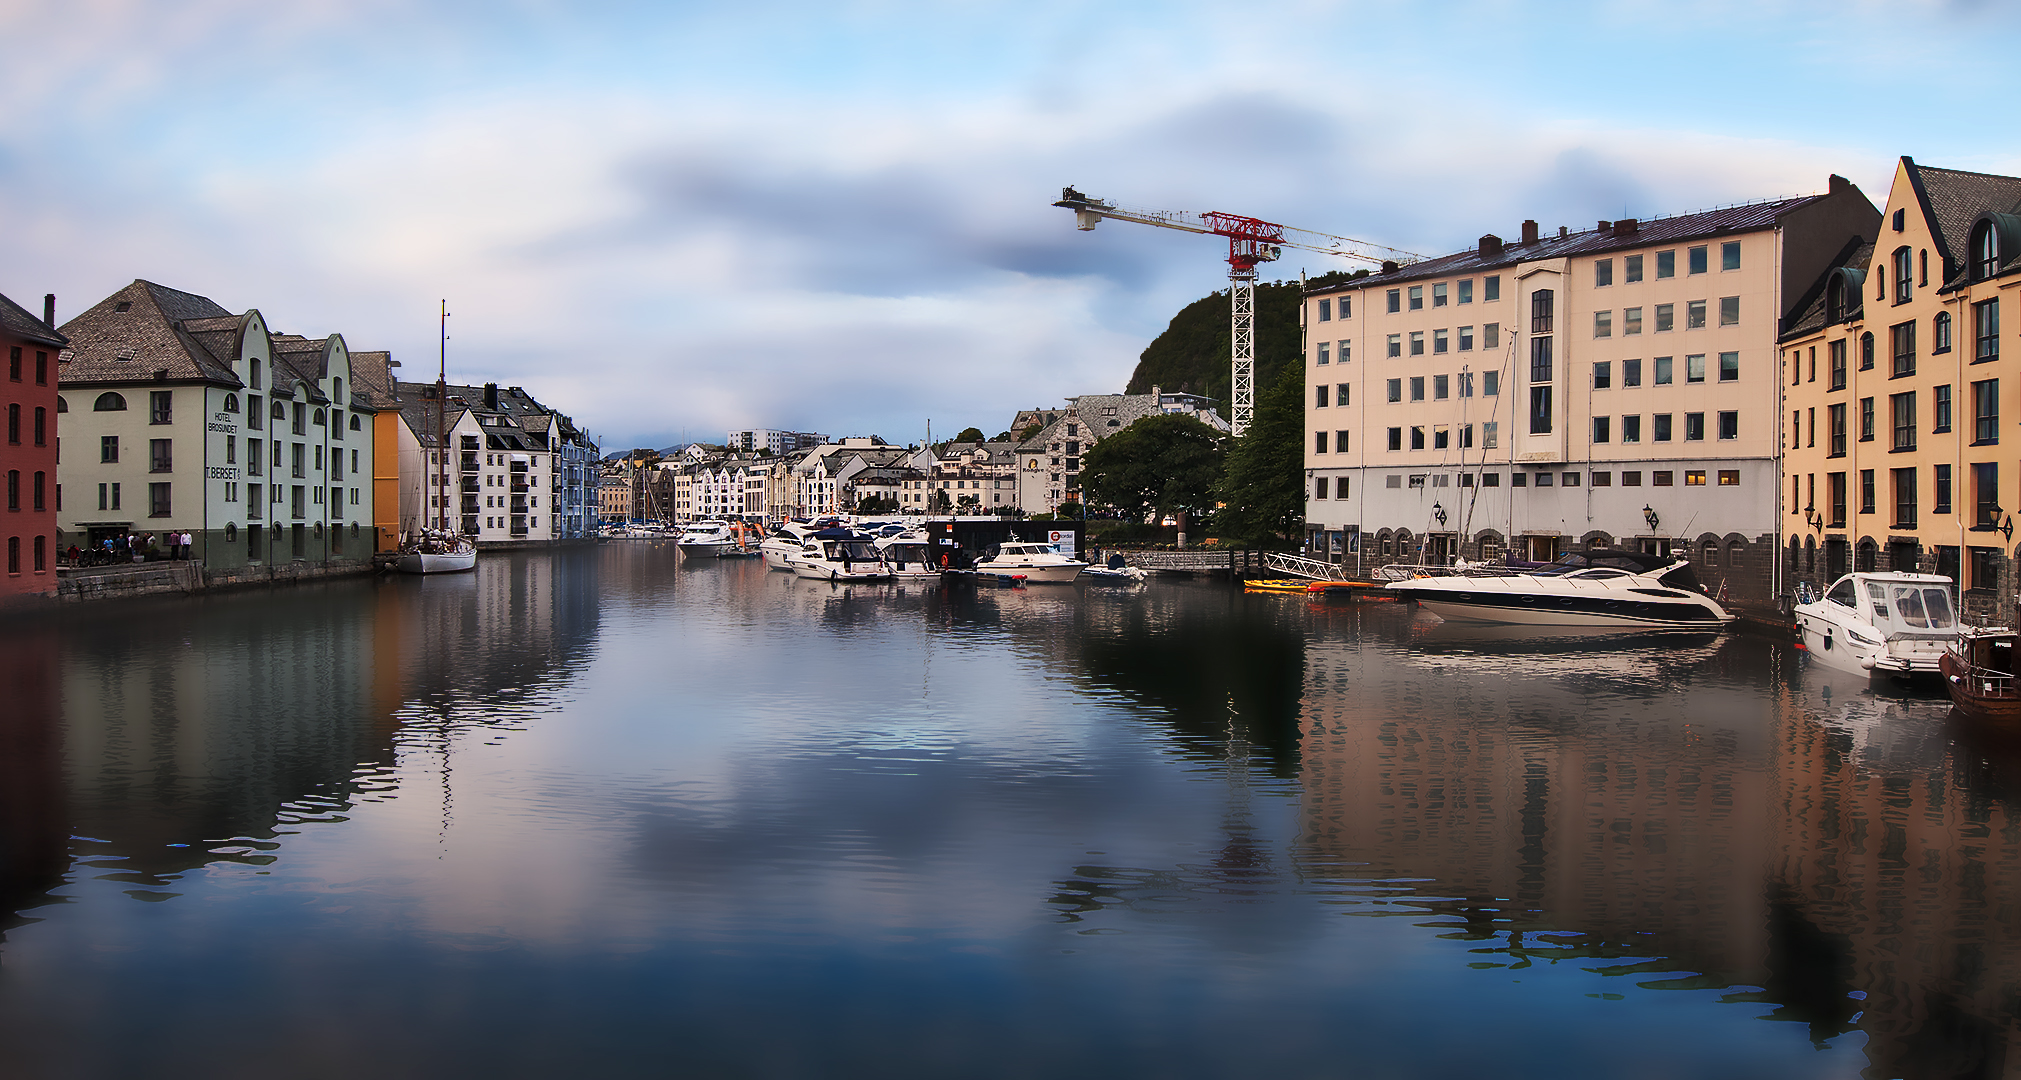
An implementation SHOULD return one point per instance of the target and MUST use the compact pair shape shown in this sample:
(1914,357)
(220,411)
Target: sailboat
(437,550)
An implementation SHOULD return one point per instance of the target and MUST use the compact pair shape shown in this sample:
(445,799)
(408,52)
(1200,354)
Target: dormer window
(1835,299)
(1985,251)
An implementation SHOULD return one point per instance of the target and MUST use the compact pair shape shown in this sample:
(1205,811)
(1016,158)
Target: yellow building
(1895,382)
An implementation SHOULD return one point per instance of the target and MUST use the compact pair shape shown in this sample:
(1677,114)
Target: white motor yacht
(909,555)
(840,555)
(706,539)
(1601,588)
(1037,563)
(1897,624)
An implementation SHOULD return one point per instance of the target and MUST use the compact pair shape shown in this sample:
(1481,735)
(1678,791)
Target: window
(1729,255)
(1439,294)
(1940,409)
(1540,410)
(1659,427)
(1396,438)
(1465,288)
(1729,311)
(1395,389)
(1543,480)
(160,455)
(1395,345)
(1340,442)
(1319,396)
(1417,343)
(1491,288)
(1466,384)
(1491,434)
(1466,439)
(1985,251)
(1631,373)
(1346,307)
(1601,428)
(14,363)
(1345,350)
(1417,388)
(157,500)
(1417,437)
(301,417)
(1902,412)
(1541,311)
(1694,315)
(1540,359)
(1985,412)
(14,424)
(1729,425)
(108,449)
(1836,357)
(1729,367)
(1694,427)
(1631,321)
(1904,482)
(1319,486)
(1571,479)
(1866,419)
(254,451)
(1439,386)
(1666,317)
(1729,478)
(1603,324)
(1866,491)
(1940,482)
(1666,264)
(1661,478)
(1326,311)
(1867,351)
(1986,331)
(1940,332)
(1697,257)
(1417,298)
(1320,353)
(301,460)
(1694,478)
(1837,418)
(1603,374)
(1319,442)
(1438,342)
(1466,339)
(1395,299)
(1904,279)
(1694,368)
(109,402)
(1603,273)
(253,413)
(1835,500)
(1491,383)
(1985,494)
(1441,439)
(1902,338)
(1631,479)
(1631,429)
(160,406)
(41,426)
(1491,335)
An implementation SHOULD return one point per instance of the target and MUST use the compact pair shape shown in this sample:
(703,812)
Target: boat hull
(707,549)
(1982,693)
(1526,609)
(1034,575)
(825,572)
(419,562)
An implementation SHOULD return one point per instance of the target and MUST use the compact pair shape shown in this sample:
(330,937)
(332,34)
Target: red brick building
(29,347)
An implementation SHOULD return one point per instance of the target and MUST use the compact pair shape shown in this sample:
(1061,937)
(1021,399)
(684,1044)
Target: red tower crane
(1250,241)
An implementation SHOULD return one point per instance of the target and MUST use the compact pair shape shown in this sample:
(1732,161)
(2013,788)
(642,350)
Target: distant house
(508,470)
(1049,463)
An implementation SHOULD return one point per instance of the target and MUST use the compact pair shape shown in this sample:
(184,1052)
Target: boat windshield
(852,550)
(1923,607)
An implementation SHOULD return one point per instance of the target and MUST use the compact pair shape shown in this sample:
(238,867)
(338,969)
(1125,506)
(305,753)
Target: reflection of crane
(1250,241)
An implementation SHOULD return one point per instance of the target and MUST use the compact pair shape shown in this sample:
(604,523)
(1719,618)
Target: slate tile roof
(19,323)
(1724,221)
(372,380)
(134,335)
(1810,314)
(1952,200)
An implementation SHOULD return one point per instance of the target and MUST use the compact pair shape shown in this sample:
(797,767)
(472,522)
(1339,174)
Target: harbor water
(594,812)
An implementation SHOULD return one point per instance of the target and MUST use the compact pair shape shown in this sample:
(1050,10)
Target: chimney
(1530,231)
(1491,246)
(1389,266)
(1627,227)
(491,396)
(1839,183)
(49,310)
(1603,226)
(1563,232)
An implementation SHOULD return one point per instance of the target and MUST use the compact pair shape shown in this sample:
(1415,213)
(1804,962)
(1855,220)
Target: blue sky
(674,219)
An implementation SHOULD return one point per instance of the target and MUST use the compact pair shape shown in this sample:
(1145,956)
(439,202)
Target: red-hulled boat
(1979,674)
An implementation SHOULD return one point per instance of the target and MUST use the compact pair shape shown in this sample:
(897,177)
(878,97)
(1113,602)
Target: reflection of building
(1744,839)
(28,457)
(34,824)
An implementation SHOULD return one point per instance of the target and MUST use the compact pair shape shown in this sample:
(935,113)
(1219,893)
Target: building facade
(1049,463)
(512,471)
(28,458)
(1896,377)
(1613,387)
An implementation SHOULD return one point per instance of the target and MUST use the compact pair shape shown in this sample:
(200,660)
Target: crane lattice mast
(1250,241)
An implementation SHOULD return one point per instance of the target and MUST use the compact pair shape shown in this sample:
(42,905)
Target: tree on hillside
(1157,466)
(1192,354)
(1263,490)
(969,434)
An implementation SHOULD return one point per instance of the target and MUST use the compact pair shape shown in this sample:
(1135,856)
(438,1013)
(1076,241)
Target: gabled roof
(372,380)
(19,323)
(1951,201)
(1724,221)
(1809,316)
(137,334)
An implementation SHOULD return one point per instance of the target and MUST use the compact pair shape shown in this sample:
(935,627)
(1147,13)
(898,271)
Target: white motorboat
(1037,563)
(1602,588)
(909,555)
(1112,575)
(840,555)
(1899,624)
(705,539)
(436,552)
(783,546)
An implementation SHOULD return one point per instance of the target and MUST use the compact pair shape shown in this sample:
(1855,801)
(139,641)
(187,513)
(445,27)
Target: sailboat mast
(441,422)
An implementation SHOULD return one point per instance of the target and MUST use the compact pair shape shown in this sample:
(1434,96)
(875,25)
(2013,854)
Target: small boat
(706,539)
(1277,585)
(1113,575)
(436,552)
(1896,624)
(840,554)
(1037,563)
(1979,674)
(1620,589)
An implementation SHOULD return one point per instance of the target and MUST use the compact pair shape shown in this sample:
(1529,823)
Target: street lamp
(1649,515)
(1439,514)
(1815,520)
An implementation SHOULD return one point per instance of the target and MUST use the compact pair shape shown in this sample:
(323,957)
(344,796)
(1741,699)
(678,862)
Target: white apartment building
(776,443)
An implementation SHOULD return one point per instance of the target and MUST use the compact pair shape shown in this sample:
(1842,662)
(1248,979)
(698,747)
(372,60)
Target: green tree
(1192,354)
(1160,465)
(940,503)
(969,434)
(1263,491)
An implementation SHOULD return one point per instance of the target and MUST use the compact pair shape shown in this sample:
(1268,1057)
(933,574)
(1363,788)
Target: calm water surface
(595,813)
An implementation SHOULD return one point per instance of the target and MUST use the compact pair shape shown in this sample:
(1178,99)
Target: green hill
(1192,355)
